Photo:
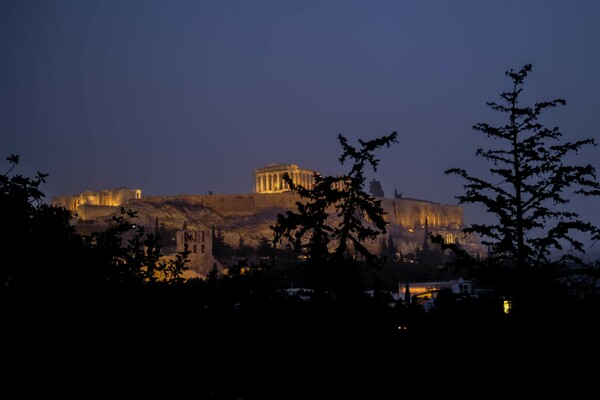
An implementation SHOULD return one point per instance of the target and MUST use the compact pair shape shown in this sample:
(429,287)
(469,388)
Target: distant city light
(507,306)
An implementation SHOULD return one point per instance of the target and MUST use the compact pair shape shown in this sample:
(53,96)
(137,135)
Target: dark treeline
(109,306)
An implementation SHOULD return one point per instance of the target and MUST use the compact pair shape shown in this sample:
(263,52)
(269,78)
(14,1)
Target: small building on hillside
(199,244)
(425,293)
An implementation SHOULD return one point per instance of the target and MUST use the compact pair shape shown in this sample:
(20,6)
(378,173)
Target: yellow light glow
(507,306)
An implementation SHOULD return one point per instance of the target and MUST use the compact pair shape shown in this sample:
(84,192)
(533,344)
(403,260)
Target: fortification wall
(251,215)
(285,200)
(62,201)
(90,212)
(224,204)
(230,205)
(403,212)
(412,213)
(108,197)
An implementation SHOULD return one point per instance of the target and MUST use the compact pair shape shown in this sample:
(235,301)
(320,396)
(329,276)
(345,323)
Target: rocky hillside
(250,217)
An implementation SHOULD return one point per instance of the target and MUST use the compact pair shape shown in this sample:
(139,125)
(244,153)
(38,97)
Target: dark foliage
(221,250)
(531,181)
(43,256)
(331,245)
(105,310)
(375,188)
(34,236)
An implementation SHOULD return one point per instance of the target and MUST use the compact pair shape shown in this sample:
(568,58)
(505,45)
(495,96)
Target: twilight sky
(186,97)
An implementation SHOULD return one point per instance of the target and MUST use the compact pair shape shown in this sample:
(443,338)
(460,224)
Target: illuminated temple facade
(269,179)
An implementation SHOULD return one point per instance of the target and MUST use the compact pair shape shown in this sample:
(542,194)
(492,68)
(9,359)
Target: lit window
(507,306)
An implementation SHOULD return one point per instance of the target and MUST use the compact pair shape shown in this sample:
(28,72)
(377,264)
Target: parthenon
(269,179)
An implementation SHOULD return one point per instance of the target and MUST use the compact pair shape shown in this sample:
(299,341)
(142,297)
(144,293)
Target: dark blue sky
(177,97)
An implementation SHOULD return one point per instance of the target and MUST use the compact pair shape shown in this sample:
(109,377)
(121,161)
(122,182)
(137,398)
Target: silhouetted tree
(34,236)
(222,251)
(126,254)
(265,247)
(383,248)
(375,188)
(358,216)
(243,249)
(45,255)
(430,257)
(246,284)
(391,248)
(530,177)
(388,249)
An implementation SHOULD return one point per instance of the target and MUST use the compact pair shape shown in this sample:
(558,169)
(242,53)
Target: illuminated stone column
(270,179)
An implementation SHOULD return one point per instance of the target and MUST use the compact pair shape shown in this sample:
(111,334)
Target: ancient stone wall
(107,197)
(199,245)
(403,212)
(89,212)
(412,213)
(230,204)
(250,216)
(227,205)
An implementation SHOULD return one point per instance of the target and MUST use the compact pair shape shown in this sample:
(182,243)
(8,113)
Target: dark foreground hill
(144,346)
